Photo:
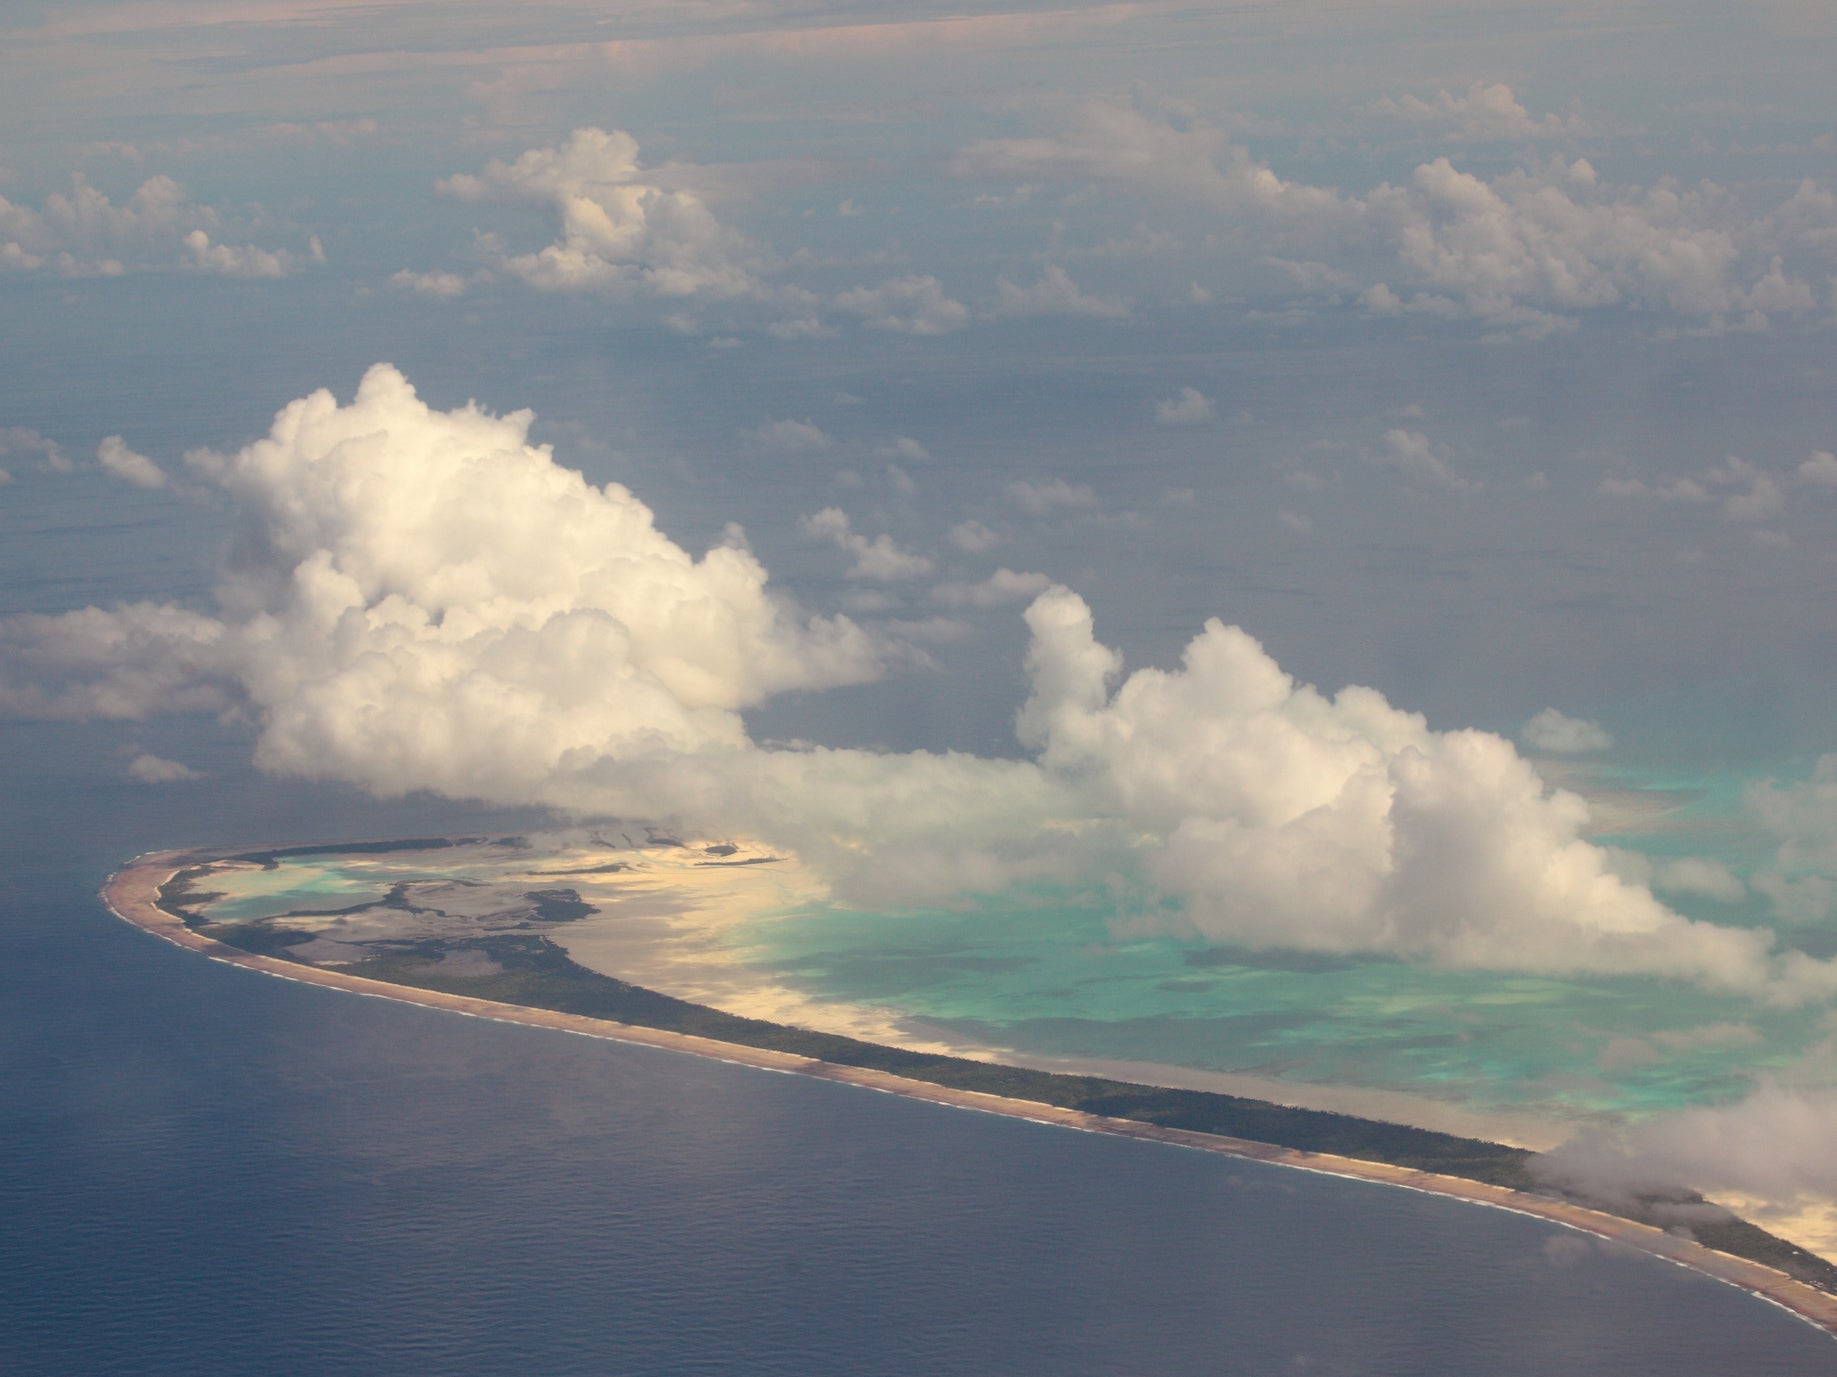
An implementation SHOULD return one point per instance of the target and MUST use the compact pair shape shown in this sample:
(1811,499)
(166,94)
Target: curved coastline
(132,894)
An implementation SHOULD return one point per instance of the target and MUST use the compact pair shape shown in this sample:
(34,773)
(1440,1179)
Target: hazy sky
(1478,354)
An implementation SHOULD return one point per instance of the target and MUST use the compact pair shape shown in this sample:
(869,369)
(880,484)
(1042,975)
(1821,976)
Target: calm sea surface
(212,1172)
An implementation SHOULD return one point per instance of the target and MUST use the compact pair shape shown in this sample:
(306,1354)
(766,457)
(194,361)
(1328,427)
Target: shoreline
(132,892)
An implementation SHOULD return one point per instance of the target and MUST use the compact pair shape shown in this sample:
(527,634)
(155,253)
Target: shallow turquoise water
(293,885)
(1049,974)
(1049,979)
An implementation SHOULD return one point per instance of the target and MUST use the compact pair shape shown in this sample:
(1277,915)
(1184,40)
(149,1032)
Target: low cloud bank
(1776,1144)
(422,600)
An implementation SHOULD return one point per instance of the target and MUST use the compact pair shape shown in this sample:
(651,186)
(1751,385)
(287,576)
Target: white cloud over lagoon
(1558,734)
(424,601)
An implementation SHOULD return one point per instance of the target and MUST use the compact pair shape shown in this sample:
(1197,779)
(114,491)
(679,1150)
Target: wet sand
(132,894)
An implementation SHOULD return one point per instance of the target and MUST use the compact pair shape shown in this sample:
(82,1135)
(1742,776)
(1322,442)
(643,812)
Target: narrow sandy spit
(131,895)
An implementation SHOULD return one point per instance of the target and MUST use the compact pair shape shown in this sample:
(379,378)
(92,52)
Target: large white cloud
(1280,817)
(424,600)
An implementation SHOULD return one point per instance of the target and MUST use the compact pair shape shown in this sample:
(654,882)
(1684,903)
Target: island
(491,953)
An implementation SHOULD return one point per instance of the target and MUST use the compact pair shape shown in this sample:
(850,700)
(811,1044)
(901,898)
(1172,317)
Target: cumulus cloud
(973,537)
(1820,470)
(1749,493)
(1698,876)
(1528,251)
(1488,110)
(1042,497)
(903,447)
(22,442)
(1419,459)
(1532,248)
(1742,490)
(83,233)
(1117,145)
(246,260)
(624,228)
(1002,586)
(1800,816)
(1055,294)
(423,600)
(115,456)
(1282,817)
(1701,876)
(878,558)
(438,284)
(1666,490)
(789,437)
(1555,734)
(911,305)
(1776,1145)
(153,769)
(129,662)
(1191,408)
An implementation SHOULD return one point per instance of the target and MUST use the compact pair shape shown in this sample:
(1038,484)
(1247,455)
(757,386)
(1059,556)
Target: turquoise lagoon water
(1048,978)
(293,885)
(1055,974)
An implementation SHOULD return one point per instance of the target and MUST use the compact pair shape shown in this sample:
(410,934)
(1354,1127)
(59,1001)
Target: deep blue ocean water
(208,1171)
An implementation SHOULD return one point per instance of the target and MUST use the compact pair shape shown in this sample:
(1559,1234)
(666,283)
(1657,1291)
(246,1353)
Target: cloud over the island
(1281,817)
(1775,1144)
(423,600)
